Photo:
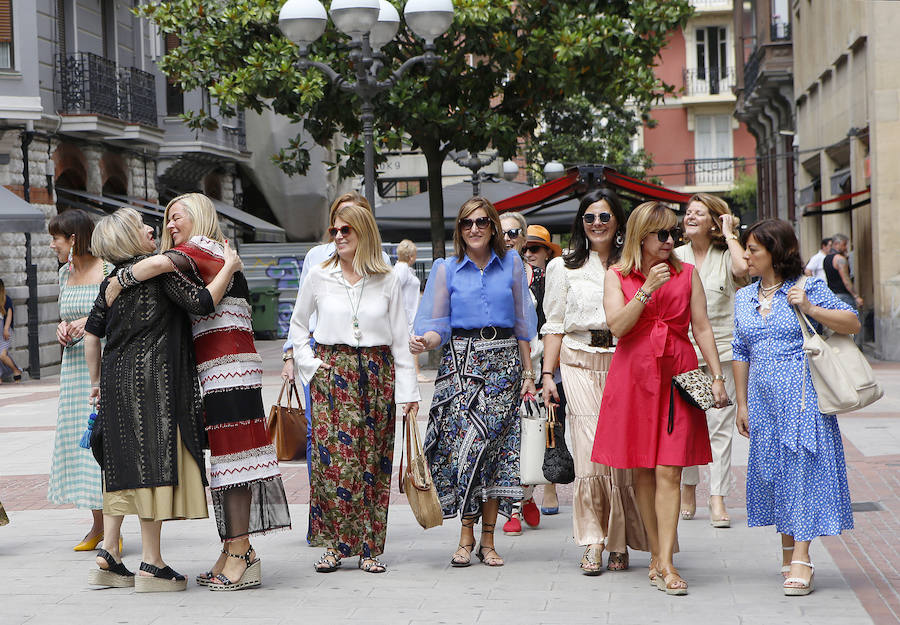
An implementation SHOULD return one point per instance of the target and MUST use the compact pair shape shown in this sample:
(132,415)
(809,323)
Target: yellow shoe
(89,544)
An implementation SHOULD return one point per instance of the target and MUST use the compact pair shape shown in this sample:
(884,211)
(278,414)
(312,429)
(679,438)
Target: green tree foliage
(577,131)
(502,64)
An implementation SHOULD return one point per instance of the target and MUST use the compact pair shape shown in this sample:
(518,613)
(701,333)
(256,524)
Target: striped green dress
(74,474)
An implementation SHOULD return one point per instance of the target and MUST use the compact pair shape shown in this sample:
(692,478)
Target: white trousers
(720,422)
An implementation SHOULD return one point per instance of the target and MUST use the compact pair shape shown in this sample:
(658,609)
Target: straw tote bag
(287,426)
(841,375)
(415,480)
(533,442)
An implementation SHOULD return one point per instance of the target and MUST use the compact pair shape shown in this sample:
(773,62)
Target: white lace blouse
(573,303)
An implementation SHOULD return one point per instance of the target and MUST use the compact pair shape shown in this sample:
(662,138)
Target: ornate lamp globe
(302,21)
(385,29)
(355,17)
(429,19)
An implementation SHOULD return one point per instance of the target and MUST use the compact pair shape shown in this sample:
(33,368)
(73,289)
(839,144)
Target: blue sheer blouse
(460,295)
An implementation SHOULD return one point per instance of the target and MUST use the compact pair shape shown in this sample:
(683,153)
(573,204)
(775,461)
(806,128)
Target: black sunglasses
(589,218)
(533,249)
(344,230)
(481,222)
(663,235)
(512,233)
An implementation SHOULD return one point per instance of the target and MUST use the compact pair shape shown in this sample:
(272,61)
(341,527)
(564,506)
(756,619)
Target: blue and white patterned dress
(796,475)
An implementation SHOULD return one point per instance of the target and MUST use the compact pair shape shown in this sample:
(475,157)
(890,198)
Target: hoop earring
(587,243)
(620,240)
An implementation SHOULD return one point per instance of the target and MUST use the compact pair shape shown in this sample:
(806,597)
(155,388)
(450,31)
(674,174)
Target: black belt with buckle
(601,338)
(487,333)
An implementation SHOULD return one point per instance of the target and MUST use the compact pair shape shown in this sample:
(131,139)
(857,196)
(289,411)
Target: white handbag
(841,375)
(533,442)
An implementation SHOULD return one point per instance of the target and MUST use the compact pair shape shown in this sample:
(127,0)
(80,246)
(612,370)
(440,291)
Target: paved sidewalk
(733,573)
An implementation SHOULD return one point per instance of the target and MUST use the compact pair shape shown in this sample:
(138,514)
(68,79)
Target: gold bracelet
(528,374)
(718,377)
(731,237)
(642,296)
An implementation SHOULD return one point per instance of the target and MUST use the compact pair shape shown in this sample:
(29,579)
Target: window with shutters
(174,94)
(6,35)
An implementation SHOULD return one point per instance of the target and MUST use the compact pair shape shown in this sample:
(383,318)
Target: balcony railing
(712,4)
(236,135)
(780,31)
(89,84)
(712,171)
(751,69)
(712,81)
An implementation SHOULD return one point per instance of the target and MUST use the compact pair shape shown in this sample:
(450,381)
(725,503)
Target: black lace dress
(149,392)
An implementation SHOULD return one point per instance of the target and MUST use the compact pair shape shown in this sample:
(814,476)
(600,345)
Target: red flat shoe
(530,513)
(513,527)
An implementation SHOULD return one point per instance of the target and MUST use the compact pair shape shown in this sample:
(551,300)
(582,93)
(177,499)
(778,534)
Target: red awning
(584,177)
(840,198)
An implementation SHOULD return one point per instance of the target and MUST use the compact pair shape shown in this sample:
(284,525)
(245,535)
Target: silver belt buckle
(485,338)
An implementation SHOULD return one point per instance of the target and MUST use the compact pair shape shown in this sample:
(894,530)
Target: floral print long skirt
(473,436)
(353,447)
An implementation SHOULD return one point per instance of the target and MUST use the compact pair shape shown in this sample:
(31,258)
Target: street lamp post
(474,162)
(370,24)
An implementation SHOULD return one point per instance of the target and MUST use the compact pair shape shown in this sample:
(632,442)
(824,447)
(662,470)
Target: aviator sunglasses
(603,218)
(344,230)
(481,222)
(663,235)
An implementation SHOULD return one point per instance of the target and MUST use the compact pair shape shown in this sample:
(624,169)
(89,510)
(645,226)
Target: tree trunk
(434,157)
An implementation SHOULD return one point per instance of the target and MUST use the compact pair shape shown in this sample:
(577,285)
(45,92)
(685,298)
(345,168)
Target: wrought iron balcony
(751,69)
(712,171)
(712,81)
(88,84)
(780,31)
(236,135)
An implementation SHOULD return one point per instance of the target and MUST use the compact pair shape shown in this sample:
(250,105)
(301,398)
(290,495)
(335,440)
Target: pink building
(698,144)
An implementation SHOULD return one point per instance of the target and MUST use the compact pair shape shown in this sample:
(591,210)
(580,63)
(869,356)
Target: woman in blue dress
(477,305)
(796,476)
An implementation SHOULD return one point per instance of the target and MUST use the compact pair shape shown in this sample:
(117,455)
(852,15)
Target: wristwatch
(718,377)
(287,356)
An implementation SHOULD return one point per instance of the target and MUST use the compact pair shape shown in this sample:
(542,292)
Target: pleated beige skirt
(186,500)
(605,507)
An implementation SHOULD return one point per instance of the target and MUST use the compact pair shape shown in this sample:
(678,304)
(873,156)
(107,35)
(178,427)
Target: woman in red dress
(651,299)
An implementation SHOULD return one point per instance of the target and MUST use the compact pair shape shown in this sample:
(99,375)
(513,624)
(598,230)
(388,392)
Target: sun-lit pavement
(733,573)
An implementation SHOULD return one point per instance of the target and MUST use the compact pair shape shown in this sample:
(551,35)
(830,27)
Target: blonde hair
(716,207)
(644,219)
(350,197)
(367,259)
(406,249)
(203,216)
(470,206)
(119,237)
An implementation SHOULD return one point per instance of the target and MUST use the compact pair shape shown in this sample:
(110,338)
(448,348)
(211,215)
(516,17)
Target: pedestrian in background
(715,252)
(6,323)
(410,287)
(515,229)
(814,267)
(245,482)
(360,367)
(651,299)
(796,473)
(538,250)
(150,415)
(836,266)
(74,475)
(576,335)
(477,305)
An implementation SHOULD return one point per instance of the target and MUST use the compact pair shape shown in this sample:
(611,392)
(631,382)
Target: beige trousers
(605,507)
(720,422)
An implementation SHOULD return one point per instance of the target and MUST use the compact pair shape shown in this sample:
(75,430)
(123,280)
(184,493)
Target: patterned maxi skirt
(353,448)
(473,436)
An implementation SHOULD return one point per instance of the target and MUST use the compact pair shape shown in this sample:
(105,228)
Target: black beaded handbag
(558,468)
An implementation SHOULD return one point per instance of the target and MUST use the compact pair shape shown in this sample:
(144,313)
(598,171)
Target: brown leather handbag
(415,480)
(287,426)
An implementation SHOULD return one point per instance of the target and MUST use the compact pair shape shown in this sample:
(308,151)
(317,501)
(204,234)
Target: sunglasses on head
(512,233)
(533,249)
(589,218)
(481,222)
(663,235)
(344,230)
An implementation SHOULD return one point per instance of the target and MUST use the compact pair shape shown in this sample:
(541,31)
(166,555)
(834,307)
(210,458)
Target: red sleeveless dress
(634,412)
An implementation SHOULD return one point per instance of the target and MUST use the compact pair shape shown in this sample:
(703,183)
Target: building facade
(847,98)
(697,144)
(764,88)
(87,120)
